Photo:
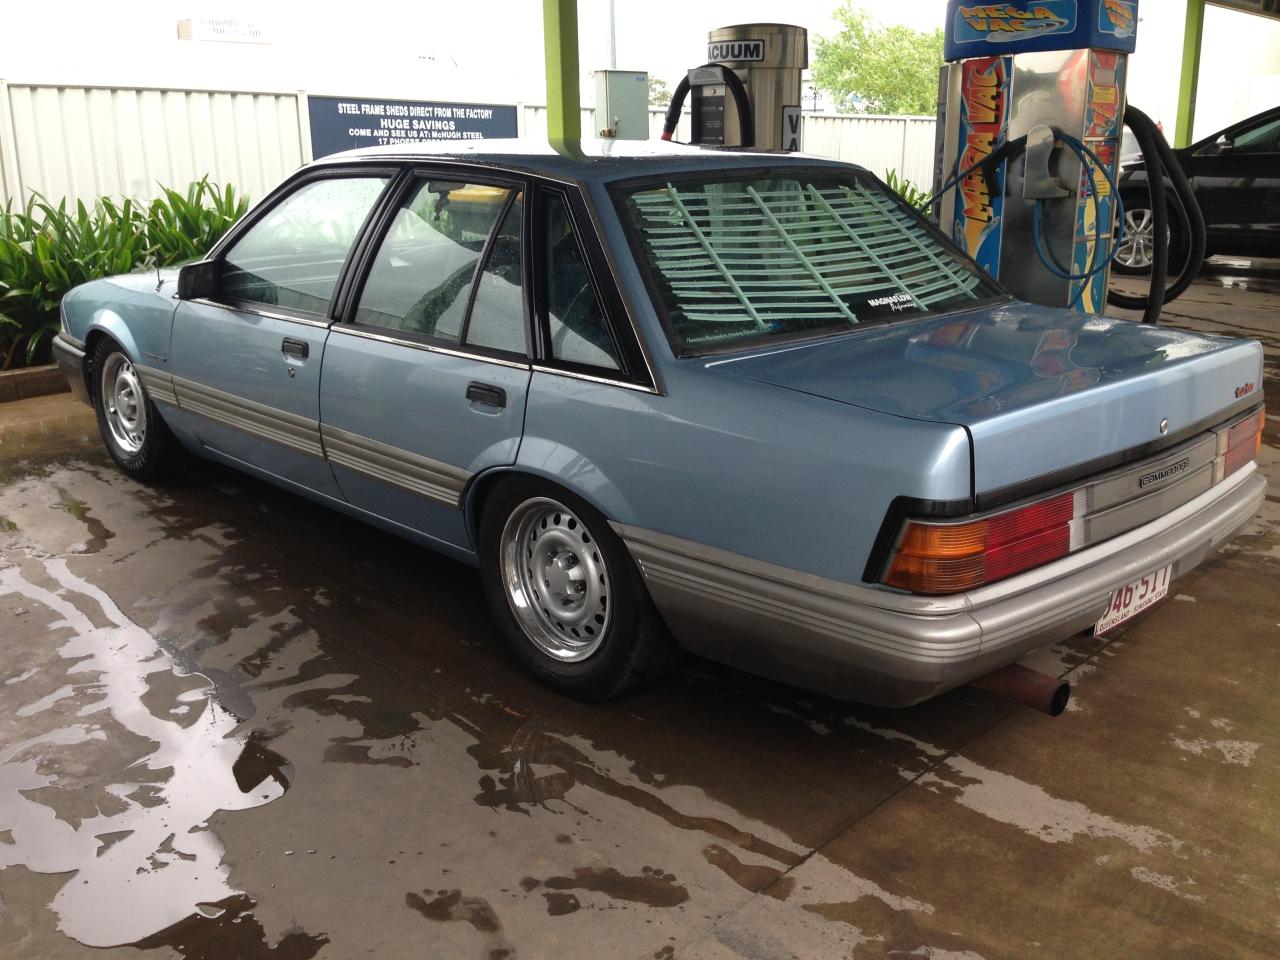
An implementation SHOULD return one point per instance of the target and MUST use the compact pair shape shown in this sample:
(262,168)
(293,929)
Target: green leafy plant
(183,226)
(908,191)
(45,250)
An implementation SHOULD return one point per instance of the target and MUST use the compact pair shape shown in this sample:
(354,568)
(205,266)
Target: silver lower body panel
(892,649)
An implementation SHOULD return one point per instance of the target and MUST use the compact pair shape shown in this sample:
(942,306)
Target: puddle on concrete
(97,531)
(758,878)
(1236,273)
(143,839)
(651,887)
(228,929)
(450,906)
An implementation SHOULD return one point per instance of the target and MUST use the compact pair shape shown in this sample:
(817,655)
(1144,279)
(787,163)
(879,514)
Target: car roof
(582,160)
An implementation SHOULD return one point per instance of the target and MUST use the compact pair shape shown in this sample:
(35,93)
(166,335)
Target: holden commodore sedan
(750,406)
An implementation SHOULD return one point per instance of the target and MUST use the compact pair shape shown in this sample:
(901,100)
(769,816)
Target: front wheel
(566,594)
(137,439)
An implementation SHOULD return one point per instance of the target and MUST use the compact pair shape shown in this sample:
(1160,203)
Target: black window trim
(1247,125)
(376,231)
(1273,146)
(619,189)
(392,173)
(634,370)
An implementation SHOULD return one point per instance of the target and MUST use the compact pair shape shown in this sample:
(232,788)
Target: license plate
(1131,599)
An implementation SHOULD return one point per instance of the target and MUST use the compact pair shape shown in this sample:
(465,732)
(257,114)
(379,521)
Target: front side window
(1261,139)
(420,281)
(292,257)
(740,261)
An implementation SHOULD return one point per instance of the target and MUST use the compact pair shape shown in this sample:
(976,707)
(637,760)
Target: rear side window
(576,326)
(497,315)
(292,257)
(420,281)
(738,261)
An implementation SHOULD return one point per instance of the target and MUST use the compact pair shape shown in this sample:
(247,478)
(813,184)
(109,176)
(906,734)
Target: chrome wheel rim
(124,403)
(1139,239)
(556,579)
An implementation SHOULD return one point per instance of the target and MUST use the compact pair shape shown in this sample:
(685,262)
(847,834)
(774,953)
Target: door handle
(295,348)
(486,393)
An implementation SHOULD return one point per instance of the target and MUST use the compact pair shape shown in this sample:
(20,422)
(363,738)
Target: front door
(246,365)
(424,383)
(1237,180)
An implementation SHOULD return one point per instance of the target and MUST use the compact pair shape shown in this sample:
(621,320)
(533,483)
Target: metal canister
(769,58)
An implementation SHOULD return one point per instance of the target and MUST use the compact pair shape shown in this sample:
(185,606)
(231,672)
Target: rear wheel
(566,594)
(137,439)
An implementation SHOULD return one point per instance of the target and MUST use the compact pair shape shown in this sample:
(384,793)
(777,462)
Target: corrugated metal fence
(902,144)
(84,142)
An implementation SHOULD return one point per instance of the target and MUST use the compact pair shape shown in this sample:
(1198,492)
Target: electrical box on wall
(622,104)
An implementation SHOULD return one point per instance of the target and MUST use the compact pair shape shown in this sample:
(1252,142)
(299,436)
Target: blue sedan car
(751,406)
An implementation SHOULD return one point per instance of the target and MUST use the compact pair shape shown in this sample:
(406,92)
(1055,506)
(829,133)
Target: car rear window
(736,261)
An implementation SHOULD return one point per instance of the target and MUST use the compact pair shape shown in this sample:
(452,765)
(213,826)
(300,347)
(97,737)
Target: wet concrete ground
(235,725)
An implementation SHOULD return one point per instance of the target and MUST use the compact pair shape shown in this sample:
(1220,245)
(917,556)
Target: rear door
(246,364)
(425,379)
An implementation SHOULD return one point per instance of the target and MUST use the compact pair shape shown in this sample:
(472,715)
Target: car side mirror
(1223,145)
(198,280)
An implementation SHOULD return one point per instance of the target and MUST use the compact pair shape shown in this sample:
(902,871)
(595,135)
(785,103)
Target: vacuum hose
(1160,162)
(745,120)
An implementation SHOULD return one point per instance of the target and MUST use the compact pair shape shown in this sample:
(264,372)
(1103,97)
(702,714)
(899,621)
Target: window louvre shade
(743,259)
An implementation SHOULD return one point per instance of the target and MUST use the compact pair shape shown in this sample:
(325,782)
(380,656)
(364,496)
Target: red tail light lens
(1244,443)
(949,558)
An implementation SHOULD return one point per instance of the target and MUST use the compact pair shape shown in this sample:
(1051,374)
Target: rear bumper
(68,353)
(891,649)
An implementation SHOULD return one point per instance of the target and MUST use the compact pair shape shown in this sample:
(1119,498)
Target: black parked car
(1236,177)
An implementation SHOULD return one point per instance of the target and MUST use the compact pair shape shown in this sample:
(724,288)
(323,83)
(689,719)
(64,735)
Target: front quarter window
(738,261)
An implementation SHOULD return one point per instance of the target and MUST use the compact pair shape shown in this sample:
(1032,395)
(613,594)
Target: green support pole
(1191,37)
(560,31)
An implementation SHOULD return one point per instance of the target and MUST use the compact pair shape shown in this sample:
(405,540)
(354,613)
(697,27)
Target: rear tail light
(1239,445)
(934,557)
(952,557)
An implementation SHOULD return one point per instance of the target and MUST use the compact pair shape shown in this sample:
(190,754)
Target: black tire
(158,452)
(633,648)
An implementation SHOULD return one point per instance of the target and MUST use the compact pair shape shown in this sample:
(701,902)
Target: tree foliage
(659,95)
(871,68)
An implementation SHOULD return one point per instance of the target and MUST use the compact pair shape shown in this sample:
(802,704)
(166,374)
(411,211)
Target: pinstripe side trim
(421,475)
(429,478)
(158,384)
(257,419)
